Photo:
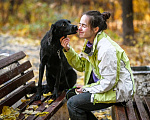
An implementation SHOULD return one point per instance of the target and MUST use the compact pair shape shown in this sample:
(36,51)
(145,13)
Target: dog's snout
(75,27)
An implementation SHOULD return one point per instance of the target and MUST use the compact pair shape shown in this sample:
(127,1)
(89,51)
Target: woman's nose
(79,27)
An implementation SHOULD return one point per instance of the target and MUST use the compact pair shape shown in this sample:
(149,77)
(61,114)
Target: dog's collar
(58,52)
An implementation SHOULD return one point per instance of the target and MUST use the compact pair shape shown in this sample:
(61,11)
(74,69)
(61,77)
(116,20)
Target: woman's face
(85,30)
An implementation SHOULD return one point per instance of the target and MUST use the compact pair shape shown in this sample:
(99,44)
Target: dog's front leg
(39,89)
(56,86)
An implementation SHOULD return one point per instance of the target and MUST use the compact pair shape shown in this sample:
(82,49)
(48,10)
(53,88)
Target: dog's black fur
(59,74)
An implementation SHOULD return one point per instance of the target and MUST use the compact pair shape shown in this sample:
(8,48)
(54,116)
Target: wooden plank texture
(6,89)
(120,113)
(41,106)
(11,59)
(141,109)
(147,101)
(13,84)
(14,72)
(53,108)
(15,96)
(130,111)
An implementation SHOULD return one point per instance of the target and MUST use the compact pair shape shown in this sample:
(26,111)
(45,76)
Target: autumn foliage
(31,19)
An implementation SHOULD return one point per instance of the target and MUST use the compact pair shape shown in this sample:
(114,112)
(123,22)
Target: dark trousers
(80,107)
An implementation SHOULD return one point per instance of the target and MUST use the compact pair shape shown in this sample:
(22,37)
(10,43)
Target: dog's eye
(63,25)
(69,21)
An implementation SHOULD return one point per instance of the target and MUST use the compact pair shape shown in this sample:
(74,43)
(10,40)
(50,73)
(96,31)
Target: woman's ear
(51,33)
(96,29)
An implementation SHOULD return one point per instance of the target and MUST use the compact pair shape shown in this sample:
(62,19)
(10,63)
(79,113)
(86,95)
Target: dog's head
(61,28)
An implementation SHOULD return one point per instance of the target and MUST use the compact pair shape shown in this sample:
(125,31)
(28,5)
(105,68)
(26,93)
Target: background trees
(127,16)
(128,25)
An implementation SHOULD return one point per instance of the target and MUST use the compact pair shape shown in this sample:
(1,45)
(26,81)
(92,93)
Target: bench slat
(9,101)
(120,113)
(6,89)
(130,111)
(14,85)
(41,107)
(31,117)
(147,101)
(14,72)
(141,109)
(11,59)
(53,108)
(24,105)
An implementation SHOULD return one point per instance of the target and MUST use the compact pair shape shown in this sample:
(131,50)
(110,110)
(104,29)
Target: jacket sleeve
(75,60)
(108,70)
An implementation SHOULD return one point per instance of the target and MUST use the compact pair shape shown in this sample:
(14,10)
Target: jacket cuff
(88,89)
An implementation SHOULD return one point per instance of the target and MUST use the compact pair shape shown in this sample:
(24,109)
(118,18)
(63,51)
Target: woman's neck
(91,40)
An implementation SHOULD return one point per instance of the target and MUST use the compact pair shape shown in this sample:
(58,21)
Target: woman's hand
(65,43)
(79,89)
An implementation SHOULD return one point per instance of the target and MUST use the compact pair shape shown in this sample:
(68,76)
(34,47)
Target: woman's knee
(70,102)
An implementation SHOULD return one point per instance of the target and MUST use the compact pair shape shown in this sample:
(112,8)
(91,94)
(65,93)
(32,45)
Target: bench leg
(62,113)
(113,113)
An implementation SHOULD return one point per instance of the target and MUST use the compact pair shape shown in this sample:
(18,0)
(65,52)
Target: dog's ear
(51,33)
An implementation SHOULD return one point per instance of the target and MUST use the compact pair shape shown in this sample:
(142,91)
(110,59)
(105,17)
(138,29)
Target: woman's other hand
(79,89)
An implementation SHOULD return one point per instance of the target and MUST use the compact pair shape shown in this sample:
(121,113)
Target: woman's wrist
(66,49)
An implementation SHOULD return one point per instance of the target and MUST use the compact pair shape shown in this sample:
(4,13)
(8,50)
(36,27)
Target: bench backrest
(13,82)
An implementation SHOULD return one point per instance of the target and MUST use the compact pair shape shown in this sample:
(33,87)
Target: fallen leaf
(33,106)
(46,106)
(48,94)
(27,106)
(8,113)
(49,101)
(26,115)
(29,112)
(42,113)
(25,100)
(6,110)
(36,112)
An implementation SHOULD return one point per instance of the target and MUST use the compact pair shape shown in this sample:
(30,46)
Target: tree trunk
(128,31)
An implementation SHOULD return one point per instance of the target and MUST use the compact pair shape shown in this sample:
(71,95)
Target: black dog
(59,74)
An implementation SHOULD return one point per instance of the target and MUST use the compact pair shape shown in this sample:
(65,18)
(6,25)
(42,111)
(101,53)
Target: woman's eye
(84,26)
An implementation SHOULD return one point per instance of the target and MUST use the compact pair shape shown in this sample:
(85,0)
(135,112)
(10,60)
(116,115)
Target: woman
(108,79)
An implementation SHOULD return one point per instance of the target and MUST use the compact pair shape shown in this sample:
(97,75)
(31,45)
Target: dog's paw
(55,93)
(37,97)
(54,96)
(46,91)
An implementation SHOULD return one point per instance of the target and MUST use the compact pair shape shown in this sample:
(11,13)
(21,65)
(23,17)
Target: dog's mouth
(73,30)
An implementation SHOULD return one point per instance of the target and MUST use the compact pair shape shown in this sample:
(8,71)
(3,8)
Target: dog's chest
(54,61)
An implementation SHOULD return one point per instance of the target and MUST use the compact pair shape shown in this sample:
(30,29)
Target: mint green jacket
(110,65)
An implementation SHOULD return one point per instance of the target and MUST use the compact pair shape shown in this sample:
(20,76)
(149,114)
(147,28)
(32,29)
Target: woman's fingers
(79,88)
(65,42)
(61,39)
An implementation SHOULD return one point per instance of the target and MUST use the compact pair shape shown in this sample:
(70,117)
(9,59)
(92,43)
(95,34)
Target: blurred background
(23,23)
(129,24)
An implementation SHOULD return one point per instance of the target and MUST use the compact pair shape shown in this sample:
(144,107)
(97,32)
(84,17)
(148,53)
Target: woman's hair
(98,19)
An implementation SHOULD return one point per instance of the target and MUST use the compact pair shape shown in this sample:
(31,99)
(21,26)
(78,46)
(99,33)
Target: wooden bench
(134,110)
(16,83)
